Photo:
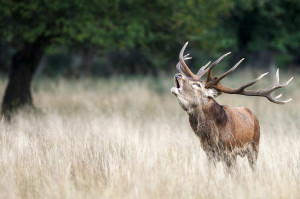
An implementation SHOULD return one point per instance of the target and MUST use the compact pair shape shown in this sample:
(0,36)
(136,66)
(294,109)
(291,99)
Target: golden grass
(130,139)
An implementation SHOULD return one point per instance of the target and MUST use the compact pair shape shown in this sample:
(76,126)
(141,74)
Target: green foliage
(142,33)
(65,21)
(128,23)
(266,24)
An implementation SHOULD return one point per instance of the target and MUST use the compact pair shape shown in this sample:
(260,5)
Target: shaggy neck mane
(207,119)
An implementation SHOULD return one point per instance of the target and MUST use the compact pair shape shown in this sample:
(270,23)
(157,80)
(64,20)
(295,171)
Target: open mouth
(176,83)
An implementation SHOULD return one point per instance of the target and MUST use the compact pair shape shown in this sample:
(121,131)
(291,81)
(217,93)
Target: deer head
(192,91)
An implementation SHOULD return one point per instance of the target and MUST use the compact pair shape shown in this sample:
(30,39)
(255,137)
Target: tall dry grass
(130,139)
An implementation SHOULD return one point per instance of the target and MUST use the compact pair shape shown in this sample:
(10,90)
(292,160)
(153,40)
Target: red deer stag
(224,131)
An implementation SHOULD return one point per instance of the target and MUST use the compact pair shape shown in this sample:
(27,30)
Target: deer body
(224,132)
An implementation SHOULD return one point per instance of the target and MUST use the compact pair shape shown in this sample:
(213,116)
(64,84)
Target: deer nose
(177,76)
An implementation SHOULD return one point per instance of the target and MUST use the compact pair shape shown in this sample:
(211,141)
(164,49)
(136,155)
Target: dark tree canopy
(129,23)
(33,25)
(266,24)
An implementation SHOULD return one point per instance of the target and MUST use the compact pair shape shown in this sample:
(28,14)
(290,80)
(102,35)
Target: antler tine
(183,64)
(254,81)
(229,71)
(178,65)
(202,70)
(274,87)
(262,93)
(178,68)
(209,70)
(276,80)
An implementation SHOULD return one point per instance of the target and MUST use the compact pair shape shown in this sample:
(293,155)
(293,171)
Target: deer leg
(252,156)
(211,159)
(230,161)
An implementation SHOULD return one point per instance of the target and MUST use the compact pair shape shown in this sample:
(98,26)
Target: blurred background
(86,108)
(129,38)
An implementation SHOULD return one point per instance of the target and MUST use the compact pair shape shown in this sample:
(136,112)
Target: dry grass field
(122,138)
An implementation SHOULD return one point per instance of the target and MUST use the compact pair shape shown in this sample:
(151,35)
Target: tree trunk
(24,64)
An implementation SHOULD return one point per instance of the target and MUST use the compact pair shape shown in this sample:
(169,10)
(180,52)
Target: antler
(178,65)
(209,70)
(183,64)
(186,69)
(202,70)
(214,83)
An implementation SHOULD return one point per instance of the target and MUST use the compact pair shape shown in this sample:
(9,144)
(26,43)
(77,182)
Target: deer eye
(197,84)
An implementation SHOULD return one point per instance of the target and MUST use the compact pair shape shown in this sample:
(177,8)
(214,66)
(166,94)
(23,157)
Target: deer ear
(217,94)
(211,92)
